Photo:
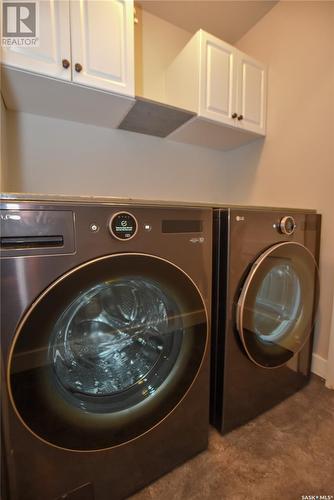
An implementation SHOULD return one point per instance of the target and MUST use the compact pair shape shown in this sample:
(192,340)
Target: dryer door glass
(277,305)
(120,341)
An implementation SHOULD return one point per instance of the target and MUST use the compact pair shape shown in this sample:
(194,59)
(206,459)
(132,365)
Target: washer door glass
(107,351)
(277,305)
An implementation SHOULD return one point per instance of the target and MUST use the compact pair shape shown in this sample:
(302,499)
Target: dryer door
(277,305)
(107,352)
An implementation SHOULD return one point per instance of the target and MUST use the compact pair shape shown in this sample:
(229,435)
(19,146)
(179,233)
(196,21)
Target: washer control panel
(123,226)
(287,225)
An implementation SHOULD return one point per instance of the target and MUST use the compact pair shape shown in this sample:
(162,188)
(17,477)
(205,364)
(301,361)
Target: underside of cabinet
(41,95)
(202,132)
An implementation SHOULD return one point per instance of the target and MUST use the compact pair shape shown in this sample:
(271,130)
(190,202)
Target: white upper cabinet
(251,94)
(226,88)
(103,44)
(83,68)
(54,43)
(217,79)
(90,42)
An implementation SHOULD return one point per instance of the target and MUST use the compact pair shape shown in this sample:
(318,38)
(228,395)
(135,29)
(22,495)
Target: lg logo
(19,23)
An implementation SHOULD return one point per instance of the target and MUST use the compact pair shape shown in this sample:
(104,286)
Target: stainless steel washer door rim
(91,367)
(277,306)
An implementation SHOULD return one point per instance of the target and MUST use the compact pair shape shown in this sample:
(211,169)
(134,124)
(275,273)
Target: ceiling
(227,19)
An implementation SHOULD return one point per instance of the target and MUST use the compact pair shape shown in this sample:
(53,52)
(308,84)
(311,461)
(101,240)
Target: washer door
(277,305)
(107,351)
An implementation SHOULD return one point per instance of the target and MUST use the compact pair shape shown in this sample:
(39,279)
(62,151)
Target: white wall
(293,167)
(55,156)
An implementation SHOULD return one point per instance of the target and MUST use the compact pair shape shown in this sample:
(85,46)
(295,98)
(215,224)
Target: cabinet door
(102,34)
(217,80)
(54,43)
(252,91)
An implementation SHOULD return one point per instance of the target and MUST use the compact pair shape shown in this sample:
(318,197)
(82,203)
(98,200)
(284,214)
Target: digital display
(182,226)
(123,226)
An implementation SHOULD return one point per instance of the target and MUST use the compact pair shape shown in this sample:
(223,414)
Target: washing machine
(265,297)
(105,333)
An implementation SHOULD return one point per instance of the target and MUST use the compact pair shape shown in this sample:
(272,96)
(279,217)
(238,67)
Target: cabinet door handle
(234,115)
(66,63)
(240,117)
(78,67)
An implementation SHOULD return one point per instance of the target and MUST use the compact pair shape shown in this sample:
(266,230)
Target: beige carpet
(283,454)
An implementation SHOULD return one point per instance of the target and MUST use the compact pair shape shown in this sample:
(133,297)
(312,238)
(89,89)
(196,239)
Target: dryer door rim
(240,309)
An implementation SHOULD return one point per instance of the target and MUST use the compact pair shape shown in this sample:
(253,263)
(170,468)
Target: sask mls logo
(20,24)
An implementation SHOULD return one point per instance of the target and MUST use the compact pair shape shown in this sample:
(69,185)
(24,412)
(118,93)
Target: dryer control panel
(287,225)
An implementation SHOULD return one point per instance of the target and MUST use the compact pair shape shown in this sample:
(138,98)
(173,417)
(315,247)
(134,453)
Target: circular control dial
(123,226)
(287,225)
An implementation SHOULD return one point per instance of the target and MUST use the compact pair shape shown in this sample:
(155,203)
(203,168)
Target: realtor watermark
(20,24)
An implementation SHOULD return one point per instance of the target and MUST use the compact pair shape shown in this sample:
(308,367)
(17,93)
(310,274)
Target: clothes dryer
(265,297)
